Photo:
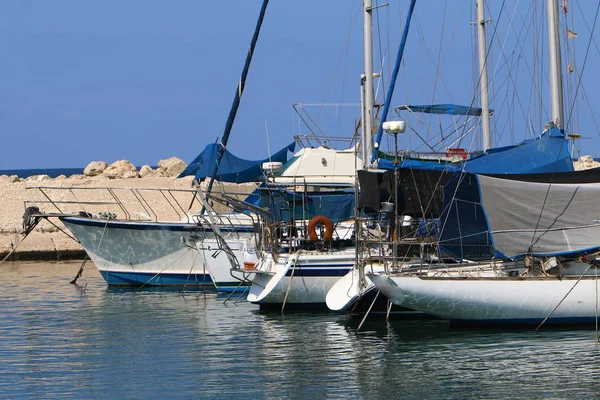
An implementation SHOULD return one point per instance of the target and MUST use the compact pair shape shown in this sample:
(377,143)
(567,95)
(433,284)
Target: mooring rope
(565,296)
(295,258)
(96,252)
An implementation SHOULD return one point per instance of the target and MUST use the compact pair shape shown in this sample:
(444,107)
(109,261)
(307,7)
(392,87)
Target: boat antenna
(268,145)
(238,95)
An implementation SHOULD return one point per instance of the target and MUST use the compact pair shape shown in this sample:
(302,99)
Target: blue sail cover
(547,153)
(231,169)
(446,109)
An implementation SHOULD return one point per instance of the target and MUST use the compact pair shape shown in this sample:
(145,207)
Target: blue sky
(147,80)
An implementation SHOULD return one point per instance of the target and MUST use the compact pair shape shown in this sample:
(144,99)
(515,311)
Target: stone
(146,171)
(77,176)
(95,168)
(585,162)
(38,178)
(60,177)
(5,179)
(121,169)
(172,166)
(14,178)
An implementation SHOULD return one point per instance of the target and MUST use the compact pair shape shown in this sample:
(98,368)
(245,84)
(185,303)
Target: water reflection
(59,340)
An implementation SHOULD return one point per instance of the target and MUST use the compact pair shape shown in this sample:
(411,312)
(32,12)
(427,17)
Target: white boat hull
(494,301)
(299,280)
(218,265)
(139,253)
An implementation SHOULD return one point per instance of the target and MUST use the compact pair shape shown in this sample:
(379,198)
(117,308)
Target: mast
(483,77)
(556,84)
(390,92)
(238,95)
(367,86)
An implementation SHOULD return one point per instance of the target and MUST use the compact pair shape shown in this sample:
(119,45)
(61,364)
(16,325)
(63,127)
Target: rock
(121,169)
(95,168)
(5,179)
(38,178)
(585,162)
(60,178)
(14,178)
(172,166)
(146,171)
(77,176)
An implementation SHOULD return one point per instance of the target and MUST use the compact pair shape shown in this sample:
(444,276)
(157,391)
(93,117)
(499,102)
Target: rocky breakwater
(103,189)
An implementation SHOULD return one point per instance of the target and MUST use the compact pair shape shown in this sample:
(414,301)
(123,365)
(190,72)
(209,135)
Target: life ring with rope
(320,220)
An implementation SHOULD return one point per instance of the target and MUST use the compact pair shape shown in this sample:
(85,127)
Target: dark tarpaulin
(231,169)
(464,226)
(420,192)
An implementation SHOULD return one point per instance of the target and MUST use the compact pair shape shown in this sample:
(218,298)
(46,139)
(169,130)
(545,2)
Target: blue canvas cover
(232,169)
(424,165)
(548,153)
(446,109)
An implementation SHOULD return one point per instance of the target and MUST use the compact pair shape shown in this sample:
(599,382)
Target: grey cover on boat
(549,219)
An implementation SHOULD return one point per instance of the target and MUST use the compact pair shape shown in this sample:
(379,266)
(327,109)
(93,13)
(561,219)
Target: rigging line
(337,65)
(585,96)
(298,112)
(562,144)
(503,55)
(487,55)
(441,60)
(587,51)
(381,56)
(590,263)
(439,55)
(163,270)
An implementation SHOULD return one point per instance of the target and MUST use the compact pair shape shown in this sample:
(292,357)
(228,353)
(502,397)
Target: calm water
(63,341)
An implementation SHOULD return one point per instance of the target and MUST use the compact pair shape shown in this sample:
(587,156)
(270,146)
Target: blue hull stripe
(152,279)
(146,226)
(324,272)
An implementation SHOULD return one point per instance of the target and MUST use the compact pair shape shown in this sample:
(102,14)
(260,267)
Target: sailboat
(275,283)
(547,224)
(540,159)
(310,263)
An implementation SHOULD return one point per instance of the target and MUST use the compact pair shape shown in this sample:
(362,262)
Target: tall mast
(237,97)
(483,77)
(556,84)
(368,81)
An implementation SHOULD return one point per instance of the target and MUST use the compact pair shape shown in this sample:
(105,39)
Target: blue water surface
(59,340)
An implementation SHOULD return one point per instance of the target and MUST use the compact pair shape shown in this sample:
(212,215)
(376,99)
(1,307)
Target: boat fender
(312,228)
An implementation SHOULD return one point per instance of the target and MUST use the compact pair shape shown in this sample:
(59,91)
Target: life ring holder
(312,228)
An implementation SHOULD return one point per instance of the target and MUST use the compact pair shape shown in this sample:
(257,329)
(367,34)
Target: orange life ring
(312,228)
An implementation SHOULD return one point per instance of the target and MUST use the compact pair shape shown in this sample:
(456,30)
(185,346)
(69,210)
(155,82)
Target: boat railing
(128,203)
(379,243)
(333,142)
